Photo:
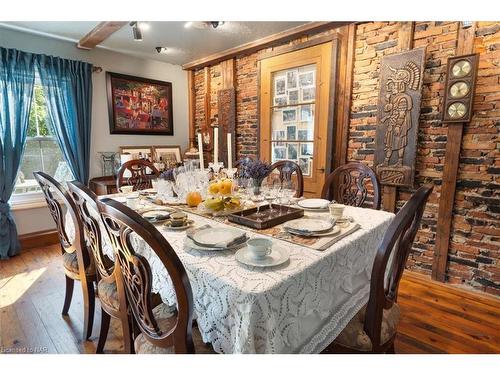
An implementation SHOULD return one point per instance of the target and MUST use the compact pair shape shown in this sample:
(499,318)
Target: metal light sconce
(136,30)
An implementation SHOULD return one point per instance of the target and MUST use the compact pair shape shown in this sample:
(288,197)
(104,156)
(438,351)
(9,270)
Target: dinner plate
(309,225)
(278,256)
(314,204)
(211,237)
(191,245)
(335,230)
(120,199)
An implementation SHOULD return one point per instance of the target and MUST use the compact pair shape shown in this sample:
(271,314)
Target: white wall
(101,139)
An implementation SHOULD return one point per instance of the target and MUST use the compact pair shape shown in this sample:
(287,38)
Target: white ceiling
(184,44)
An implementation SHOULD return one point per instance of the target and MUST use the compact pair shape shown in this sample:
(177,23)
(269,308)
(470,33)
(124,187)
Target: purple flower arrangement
(255,169)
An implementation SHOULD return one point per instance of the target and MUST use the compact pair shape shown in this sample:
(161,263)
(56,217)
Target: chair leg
(128,334)
(70,283)
(103,334)
(88,308)
(390,349)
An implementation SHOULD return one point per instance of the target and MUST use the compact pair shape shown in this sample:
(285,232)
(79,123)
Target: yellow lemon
(214,188)
(225,187)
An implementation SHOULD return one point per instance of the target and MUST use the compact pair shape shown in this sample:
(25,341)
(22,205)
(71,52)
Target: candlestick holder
(230,172)
(216,168)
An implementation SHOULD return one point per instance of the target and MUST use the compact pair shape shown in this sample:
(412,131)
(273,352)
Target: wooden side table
(103,185)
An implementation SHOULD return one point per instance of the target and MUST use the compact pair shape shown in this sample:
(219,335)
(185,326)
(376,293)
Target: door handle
(322,170)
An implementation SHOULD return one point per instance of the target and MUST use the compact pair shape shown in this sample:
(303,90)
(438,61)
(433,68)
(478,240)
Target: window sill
(27,201)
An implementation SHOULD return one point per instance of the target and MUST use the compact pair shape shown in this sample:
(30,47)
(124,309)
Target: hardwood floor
(435,318)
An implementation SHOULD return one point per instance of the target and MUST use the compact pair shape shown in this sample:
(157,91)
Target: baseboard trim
(38,239)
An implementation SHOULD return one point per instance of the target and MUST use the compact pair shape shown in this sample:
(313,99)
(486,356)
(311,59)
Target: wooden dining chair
(164,328)
(349,184)
(138,177)
(374,328)
(111,306)
(78,263)
(286,169)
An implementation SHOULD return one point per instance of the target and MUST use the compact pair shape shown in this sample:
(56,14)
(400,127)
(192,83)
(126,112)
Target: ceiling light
(188,24)
(216,24)
(143,26)
(136,31)
(162,50)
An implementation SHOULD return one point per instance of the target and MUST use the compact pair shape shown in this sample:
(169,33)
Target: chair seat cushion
(166,316)
(70,262)
(354,337)
(108,294)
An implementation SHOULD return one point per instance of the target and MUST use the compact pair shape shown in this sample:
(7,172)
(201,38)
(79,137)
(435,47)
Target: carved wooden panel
(226,102)
(398,115)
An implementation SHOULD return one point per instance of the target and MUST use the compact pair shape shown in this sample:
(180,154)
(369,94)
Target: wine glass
(288,190)
(257,197)
(271,191)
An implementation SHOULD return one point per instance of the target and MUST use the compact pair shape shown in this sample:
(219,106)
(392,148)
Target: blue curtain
(68,88)
(17,78)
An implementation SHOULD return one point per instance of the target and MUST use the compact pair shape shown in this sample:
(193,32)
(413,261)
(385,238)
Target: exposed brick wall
(474,258)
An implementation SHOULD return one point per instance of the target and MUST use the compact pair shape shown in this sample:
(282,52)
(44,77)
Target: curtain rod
(96,69)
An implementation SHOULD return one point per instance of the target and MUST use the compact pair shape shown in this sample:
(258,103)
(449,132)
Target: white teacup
(127,189)
(133,202)
(259,247)
(336,210)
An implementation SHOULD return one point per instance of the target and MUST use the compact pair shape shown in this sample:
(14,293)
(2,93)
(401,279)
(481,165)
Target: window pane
(294,86)
(42,153)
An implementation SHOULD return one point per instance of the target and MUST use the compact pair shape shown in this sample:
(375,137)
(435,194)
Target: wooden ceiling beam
(268,41)
(100,33)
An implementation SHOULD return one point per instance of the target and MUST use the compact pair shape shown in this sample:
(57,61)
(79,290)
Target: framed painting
(139,105)
(170,154)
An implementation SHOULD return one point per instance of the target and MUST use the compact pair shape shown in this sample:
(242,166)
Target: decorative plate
(309,225)
(314,204)
(212,237)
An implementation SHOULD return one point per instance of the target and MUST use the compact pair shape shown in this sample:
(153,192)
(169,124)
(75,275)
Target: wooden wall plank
(98,34)
(191,108)
(465,46)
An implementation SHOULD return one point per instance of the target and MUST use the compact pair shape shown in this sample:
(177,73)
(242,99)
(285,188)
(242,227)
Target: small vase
(257,183)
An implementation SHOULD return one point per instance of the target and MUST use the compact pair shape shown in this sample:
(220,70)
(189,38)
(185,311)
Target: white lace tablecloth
(299,307)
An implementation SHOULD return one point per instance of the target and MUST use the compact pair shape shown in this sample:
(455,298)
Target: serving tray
(248,217)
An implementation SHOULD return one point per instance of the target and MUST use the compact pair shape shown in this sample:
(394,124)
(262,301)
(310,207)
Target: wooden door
(294,105)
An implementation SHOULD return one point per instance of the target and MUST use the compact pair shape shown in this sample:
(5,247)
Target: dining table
(300,306)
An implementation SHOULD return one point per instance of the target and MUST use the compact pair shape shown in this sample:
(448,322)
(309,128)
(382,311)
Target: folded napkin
(235,241)
(344,232)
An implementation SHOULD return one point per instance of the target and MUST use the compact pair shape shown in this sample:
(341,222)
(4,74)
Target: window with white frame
(41,152)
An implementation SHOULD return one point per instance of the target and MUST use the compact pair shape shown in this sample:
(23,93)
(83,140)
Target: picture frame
(303,135)
(135,150)
(139,106)
(280,85)
(292,151)
(306,149)
(291,133)
(279,153)
(293,96)
(279,135)
(280,100)
(170,153)
(308,94)
(289,115)
(306,79)
(305,166)
(291,79)
(306,113)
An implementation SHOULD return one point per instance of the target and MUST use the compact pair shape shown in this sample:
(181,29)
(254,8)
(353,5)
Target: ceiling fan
(203,24)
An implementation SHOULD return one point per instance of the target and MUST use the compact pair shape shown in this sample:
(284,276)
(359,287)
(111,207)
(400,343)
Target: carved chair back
(54,192)
(286,169)
(138,177)
(348,184)
(135,278)
(390,262)
(86,205)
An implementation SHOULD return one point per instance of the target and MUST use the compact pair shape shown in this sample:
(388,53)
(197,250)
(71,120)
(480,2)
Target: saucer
(278,256)
(167,225)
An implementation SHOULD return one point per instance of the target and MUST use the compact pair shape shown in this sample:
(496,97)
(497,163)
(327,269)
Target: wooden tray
(247,217)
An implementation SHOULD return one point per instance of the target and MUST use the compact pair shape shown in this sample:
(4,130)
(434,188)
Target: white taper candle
(216,145)
(200,151)
(229,152)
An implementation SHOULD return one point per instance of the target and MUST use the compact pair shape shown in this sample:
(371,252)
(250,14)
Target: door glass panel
(292,119)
